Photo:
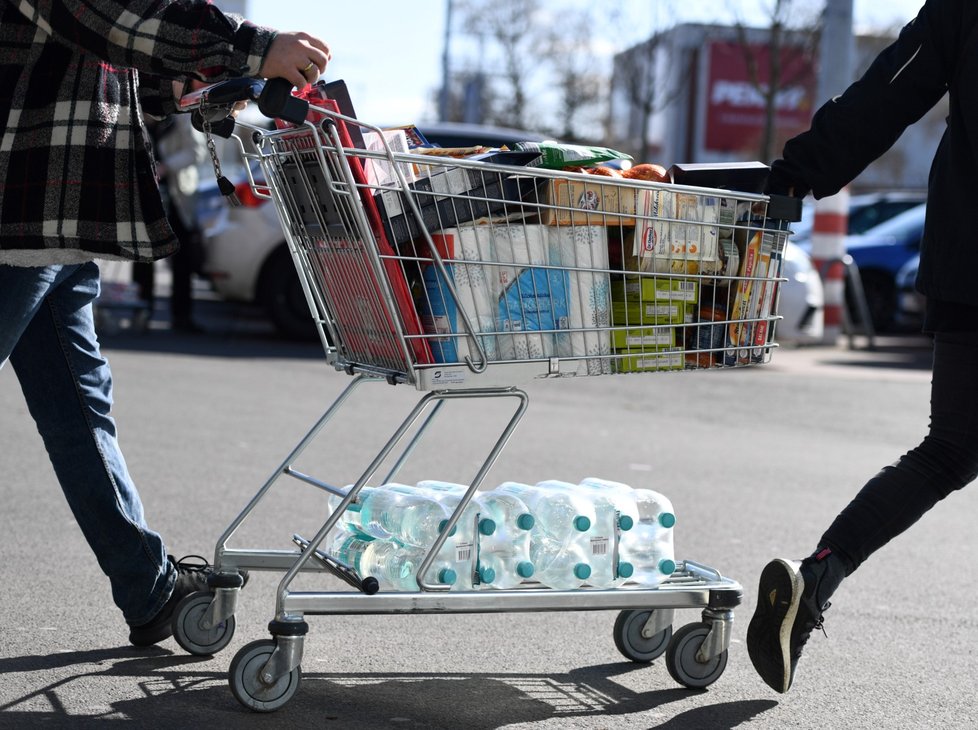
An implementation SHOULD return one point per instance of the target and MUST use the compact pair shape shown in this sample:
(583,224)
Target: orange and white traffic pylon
(828,249)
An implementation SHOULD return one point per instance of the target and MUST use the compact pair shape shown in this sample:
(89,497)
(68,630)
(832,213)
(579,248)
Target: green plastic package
(557,156)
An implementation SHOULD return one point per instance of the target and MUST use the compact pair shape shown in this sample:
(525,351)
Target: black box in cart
(455,194)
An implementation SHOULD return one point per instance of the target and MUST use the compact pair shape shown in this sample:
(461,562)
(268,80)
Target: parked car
(910,302)
(866,210)
(879,254)
(802,301)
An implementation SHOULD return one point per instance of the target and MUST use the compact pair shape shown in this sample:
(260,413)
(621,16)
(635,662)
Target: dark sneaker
(192,572)
(787,612)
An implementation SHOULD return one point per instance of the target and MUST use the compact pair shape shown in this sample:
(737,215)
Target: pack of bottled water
(561,535)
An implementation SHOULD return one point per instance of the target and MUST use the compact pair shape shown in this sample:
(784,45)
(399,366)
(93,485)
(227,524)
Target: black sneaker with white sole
(791,598)
(192,572)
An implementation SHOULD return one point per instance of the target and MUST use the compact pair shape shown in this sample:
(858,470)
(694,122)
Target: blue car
(880,253)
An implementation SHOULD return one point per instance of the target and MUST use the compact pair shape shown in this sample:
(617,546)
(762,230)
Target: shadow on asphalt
(231,330)
(173,691)
(910,352)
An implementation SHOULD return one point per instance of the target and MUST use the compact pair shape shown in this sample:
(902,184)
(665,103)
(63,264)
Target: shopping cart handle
(223,128)
(276,101)
(783,207)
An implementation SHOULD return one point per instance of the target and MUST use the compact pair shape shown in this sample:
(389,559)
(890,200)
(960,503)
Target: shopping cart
(461,277)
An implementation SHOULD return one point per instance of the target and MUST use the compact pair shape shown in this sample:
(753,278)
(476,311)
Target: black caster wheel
(631,643)
(187,629)
(681,659)
(247,685)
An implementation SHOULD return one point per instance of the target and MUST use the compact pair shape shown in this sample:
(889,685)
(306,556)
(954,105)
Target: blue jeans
(48,333)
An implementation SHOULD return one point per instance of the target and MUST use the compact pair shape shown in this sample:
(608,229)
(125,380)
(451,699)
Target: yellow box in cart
(643,313)
(655,288)
(643,338)
(629,361)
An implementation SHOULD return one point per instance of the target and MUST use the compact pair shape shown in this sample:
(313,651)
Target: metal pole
(832,214)
(446,58)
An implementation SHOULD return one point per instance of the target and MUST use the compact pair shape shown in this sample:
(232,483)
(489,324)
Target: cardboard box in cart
(566,202)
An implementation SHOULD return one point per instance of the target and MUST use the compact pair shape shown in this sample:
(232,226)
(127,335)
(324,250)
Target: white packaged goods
(588,315)
(522,296)
(475,287)
(381,173)
(531,298)
(678,233)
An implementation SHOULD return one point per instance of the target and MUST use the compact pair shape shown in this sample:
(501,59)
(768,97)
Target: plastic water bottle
(649,546)
(615,504)
(393,511)
(348,548)
(504,556)
(449,494)
(557,512)
(559,565)
(460,551)
(395,566)
(502,570)
(600,541)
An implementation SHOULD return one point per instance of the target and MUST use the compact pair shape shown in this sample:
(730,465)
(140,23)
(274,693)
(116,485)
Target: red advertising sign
(735,105)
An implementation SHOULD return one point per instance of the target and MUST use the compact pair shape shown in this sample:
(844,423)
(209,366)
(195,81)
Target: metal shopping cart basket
(461,277)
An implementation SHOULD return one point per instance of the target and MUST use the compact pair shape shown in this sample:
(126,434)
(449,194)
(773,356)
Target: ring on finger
(306,69)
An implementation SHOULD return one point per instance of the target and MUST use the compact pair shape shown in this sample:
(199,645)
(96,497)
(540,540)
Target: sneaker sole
(779,578)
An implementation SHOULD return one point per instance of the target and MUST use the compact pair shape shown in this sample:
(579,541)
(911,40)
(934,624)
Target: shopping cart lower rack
(461,277)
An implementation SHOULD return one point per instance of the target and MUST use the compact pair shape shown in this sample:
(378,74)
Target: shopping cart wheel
(191,635)
(681,659)
(630,641)
(245,680)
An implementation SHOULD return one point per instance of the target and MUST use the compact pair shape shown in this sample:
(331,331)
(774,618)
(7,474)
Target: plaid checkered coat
(77,177)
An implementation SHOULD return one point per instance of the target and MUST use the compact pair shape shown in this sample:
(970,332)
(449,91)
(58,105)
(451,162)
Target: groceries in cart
(549,259)
(553,534)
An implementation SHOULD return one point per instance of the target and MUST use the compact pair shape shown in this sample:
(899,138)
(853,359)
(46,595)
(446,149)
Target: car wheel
(880,292)
(281,294)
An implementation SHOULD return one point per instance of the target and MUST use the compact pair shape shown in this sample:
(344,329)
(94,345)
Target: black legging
(946,460)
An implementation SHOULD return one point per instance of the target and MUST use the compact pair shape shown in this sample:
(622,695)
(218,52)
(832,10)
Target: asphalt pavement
(756,461)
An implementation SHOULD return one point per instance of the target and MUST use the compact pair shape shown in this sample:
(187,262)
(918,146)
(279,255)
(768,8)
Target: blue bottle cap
(582,570)
(487,526)
(487,575)
(667,519)
(525,521)
(443,524)
(447,576)
(667,567)
(582,523)
(625,522)
(524,569)
(625,570)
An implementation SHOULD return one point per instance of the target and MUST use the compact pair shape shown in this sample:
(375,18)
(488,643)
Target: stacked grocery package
(559,535)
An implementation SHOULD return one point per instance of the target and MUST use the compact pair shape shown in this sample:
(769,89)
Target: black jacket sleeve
(849,132)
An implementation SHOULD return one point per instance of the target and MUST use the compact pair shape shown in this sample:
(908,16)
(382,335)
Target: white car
(802,304)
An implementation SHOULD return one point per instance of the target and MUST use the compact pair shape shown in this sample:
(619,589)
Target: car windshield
(899,223)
